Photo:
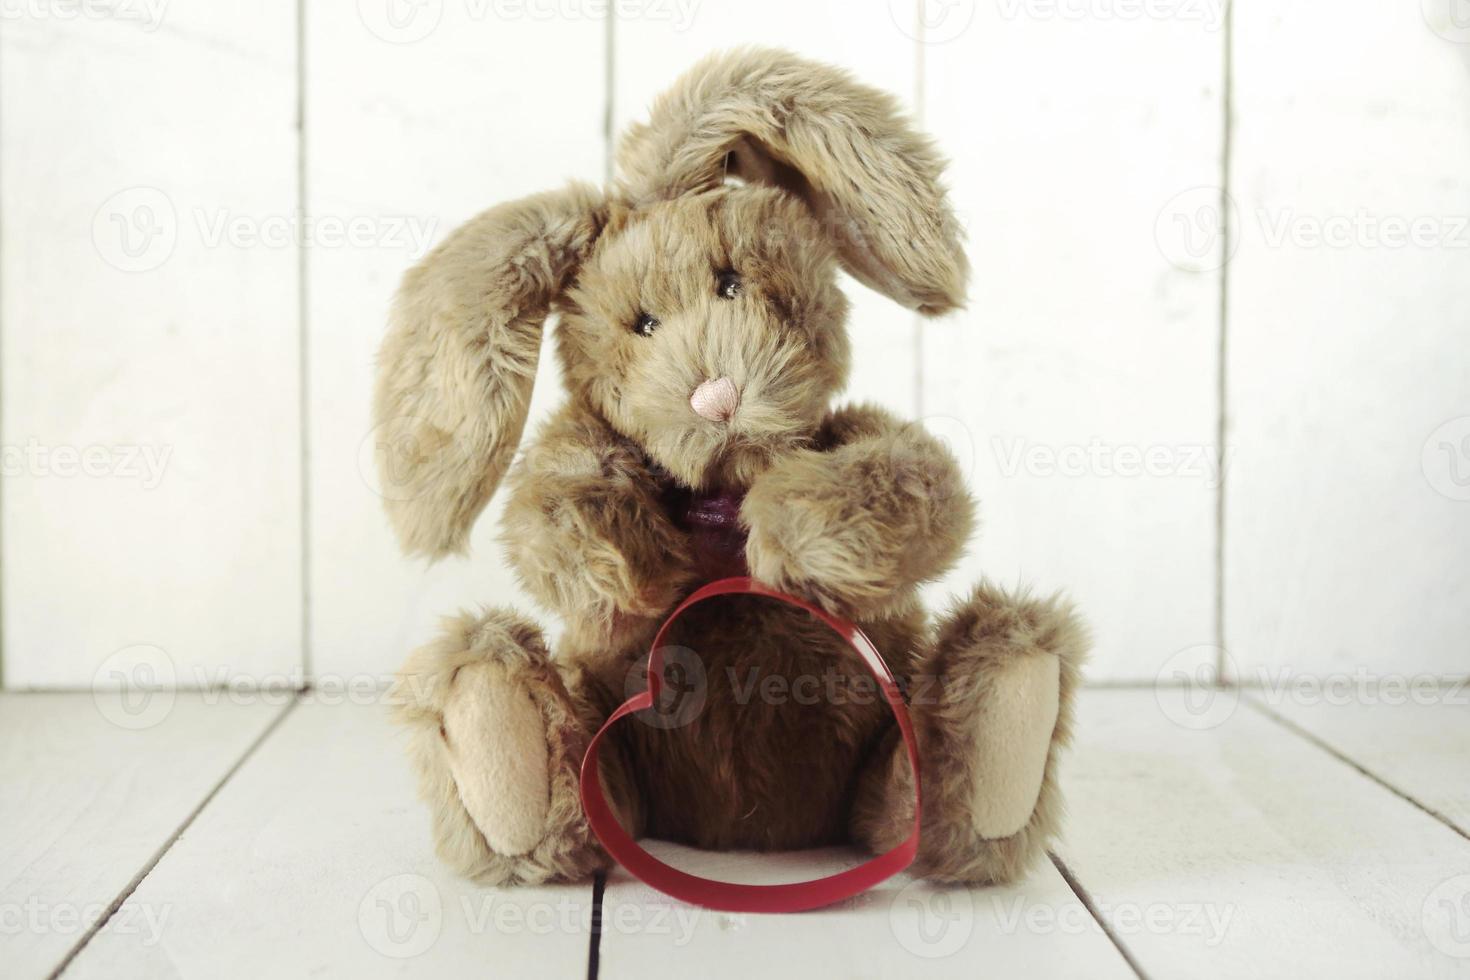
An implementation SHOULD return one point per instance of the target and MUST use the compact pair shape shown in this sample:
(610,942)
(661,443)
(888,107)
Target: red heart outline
(723,895)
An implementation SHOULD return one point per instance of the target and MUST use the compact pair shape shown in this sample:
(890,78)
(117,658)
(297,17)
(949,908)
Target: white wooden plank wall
(1080,387)
(1348,509)
(1089,347)
(430,118)
(148,301)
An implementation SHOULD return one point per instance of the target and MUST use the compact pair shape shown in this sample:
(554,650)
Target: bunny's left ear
(847,149)
(456,369)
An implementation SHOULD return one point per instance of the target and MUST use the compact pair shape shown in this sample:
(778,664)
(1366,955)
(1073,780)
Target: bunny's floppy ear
(870,177)
(456,369)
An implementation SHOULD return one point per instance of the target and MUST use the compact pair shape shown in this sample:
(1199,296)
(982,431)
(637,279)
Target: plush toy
(702,338)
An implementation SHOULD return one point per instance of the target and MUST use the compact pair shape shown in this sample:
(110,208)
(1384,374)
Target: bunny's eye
(644,325)
(728,284)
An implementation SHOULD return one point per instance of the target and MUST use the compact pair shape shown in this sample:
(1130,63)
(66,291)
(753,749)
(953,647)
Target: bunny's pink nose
(716,400)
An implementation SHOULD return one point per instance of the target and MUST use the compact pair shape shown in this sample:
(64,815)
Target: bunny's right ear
(456,369)
(848,150)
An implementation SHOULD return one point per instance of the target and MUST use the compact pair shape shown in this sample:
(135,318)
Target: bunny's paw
(858,528)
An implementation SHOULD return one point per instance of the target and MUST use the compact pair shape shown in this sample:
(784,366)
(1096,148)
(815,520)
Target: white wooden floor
(198,836)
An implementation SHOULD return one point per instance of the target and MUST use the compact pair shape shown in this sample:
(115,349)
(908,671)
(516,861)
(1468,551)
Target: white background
(205,207)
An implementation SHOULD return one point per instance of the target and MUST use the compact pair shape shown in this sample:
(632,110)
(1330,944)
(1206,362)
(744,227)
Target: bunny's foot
(992,705)
(497,740)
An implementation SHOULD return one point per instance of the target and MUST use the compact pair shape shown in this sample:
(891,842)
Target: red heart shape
(728,896)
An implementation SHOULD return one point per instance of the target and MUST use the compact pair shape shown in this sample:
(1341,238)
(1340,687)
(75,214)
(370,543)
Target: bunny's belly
(767,721)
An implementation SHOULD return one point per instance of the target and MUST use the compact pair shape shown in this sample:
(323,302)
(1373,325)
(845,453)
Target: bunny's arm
(856,524)
(586,531)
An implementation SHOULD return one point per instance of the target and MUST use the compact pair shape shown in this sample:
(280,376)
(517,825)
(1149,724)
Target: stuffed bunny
(702,338)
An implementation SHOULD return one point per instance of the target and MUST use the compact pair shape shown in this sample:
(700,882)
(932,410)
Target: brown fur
(790,745)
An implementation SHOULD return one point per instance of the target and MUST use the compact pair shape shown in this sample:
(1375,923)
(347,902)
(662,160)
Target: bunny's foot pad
(495,741)
(497,745)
